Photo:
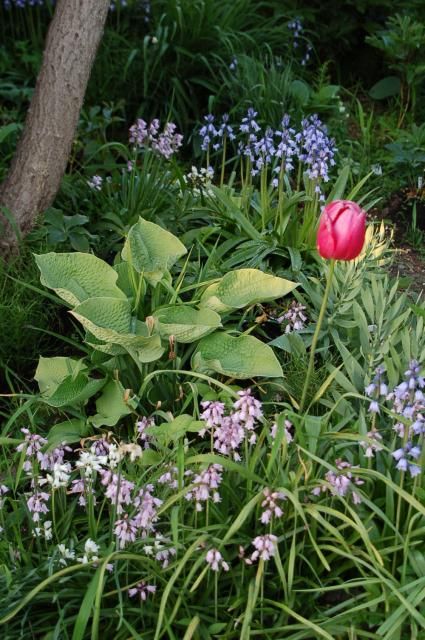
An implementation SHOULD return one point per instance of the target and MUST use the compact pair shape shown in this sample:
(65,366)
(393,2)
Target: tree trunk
(43,150)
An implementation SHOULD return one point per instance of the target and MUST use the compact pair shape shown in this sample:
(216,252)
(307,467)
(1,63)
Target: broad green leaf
(151,250)
(51,372)
(69,431)
(109,323)
(104,317)
(127,278)
(78,276)
(290,342)
(300,91)
(385,88)
(187,324)
(150,458)
(74,390)
(237,357)
(176,429)
(245,287)
(114,403)
(141,348)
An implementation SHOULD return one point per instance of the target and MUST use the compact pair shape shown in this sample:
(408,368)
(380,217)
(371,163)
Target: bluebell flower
(317,150)
(287,147)
(225,130)
(249,124)
(402,457)
(208,132)
(263,150)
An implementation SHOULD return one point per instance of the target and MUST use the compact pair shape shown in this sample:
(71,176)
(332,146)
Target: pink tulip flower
(341,232)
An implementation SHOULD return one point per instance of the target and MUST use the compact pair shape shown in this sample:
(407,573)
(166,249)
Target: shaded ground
(409,262)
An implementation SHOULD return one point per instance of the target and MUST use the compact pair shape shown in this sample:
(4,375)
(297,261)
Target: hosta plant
(137,319)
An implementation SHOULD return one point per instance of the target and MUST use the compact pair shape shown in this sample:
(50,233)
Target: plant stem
(223,161)
(316,333)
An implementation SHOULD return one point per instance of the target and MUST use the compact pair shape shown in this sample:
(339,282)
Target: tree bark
(43,150)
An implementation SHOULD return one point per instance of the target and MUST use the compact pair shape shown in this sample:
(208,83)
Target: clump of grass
(25,316)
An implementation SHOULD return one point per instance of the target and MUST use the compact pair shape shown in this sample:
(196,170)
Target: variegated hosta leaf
(51,372)
(64,381)
(73,391)
(237,357)
(110,321)
(141,348)
(151,250)
(75,277)
(187,324)
(244,287)
(104,317)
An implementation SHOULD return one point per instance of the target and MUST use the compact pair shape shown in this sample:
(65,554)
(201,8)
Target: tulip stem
(316,333)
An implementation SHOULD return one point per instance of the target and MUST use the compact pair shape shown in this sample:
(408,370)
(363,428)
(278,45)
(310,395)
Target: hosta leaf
(151,250)
(109,323)
(74,390)
(142,348)
(75,277)
(104,316)
(245,287)
(237,357)
(187,324)
(69,431)
(114,403)
(127,278)
(51,372)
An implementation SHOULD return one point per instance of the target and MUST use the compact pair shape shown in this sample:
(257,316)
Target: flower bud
(342,229)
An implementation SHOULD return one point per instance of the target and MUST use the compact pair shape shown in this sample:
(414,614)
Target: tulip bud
(342,229)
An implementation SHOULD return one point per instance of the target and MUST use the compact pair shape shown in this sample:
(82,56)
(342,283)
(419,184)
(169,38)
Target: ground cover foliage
(168,466)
